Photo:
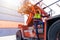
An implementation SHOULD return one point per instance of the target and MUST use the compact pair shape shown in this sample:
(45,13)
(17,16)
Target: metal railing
(51,11)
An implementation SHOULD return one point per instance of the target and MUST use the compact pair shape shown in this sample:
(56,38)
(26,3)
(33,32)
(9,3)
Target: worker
(37,21)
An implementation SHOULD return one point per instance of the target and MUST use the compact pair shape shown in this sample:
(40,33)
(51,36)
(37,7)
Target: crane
(49,31)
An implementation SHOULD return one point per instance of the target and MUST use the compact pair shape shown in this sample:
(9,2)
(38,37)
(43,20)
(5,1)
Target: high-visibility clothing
(37,15)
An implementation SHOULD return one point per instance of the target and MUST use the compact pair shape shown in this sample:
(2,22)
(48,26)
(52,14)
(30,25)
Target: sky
(8,11)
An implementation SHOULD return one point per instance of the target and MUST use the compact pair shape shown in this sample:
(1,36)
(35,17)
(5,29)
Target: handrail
(51,4)
(38,2)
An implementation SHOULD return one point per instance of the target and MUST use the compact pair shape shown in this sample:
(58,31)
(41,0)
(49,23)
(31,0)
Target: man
(37,21)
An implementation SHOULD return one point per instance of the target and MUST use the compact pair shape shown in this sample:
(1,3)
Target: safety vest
(37,15)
